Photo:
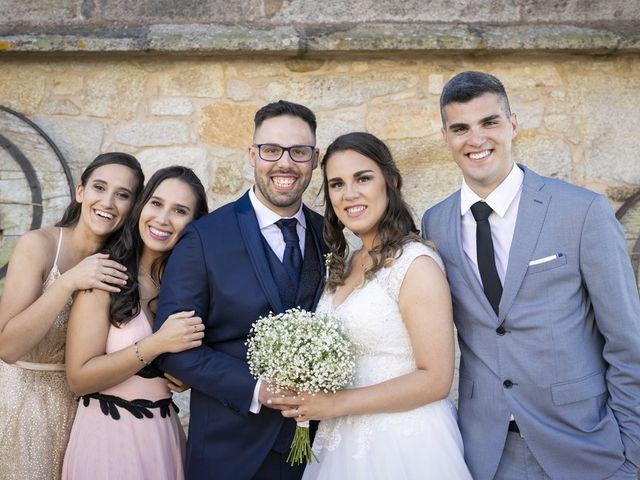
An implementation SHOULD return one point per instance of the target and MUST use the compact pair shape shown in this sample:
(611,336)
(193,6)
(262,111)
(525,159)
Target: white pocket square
(543,260)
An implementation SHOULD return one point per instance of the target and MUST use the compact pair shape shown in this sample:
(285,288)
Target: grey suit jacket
(567,364)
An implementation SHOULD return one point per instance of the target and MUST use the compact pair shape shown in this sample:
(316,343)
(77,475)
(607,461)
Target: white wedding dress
(419,444)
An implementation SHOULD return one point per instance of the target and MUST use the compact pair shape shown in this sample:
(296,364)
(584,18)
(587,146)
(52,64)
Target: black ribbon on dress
(139,408)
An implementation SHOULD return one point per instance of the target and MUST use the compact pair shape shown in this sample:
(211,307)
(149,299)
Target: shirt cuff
(255,401)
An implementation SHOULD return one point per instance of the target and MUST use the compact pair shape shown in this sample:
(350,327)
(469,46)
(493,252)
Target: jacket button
(501,330)
(507,384)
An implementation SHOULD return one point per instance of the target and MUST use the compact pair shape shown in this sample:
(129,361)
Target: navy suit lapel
(252,238)
(463,261)
(532,211)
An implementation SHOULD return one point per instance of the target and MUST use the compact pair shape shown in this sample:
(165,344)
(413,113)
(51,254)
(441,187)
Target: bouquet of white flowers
(301,351)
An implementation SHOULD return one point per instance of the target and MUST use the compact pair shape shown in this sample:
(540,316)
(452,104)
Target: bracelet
(139,355)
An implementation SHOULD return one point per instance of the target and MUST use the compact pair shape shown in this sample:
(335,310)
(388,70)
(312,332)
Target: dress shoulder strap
(55,262)
(393,276)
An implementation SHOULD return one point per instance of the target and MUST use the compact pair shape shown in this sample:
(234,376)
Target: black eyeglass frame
(284,149)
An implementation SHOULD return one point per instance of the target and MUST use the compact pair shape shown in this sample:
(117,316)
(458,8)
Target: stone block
(201,79)
(24,86)
(578,10)
(605,101)
(530,115)
(150,134)
(532,77)
(338,91)
(228,178)
(258,68)
(185,11)
(43,12)
(67,83)
(334,11)
(397,120)
(239,90)
(304,65)
(60,106)
(114,90)
(79,140)
(547,155)
(227,125)
(436,84)
(177,106)
(333,123)
(195,158)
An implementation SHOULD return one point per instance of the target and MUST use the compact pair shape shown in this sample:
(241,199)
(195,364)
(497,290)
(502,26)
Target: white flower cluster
(301,351)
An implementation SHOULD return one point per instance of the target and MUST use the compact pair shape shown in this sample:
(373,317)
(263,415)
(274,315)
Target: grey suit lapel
(461,257)
(534,203)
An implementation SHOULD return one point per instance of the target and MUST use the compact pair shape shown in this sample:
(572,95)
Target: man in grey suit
(545,304)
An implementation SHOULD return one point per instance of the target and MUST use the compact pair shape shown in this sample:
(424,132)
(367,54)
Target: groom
(261,253)
(545,304)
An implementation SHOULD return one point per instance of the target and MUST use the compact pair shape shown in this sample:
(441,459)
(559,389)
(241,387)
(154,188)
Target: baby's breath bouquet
(301,351)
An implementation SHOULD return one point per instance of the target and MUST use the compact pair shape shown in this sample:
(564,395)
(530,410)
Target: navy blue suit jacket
(219,269)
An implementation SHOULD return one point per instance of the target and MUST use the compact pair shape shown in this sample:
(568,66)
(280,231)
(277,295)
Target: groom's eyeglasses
(270,152)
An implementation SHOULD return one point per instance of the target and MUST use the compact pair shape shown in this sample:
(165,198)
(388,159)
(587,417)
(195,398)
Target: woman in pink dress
(47,267)
(126,425)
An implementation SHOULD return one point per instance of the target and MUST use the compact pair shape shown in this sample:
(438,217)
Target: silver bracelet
(139,355)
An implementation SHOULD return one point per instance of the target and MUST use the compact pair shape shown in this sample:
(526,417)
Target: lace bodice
(371,317)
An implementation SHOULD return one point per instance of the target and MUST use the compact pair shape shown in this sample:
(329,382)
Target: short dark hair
(72,213)
(468,85)
(283,107)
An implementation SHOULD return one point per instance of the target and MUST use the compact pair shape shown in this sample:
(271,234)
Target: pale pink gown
(102,448)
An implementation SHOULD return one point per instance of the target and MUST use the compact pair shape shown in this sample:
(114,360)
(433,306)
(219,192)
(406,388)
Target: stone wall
(292,27)
(577,113)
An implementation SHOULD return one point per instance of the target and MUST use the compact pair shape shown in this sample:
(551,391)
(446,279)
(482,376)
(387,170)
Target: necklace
(363,258)
(146,274)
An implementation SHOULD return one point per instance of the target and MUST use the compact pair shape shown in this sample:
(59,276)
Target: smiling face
(106,199)
(280,184)
(479,134)
(357,192)
(169,209)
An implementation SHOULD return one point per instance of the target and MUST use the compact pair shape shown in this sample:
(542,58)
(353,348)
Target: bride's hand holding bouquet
(299,351)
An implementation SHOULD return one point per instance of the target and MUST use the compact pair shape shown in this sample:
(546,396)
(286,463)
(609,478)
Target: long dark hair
(127,247)
(72,213)
(396,228)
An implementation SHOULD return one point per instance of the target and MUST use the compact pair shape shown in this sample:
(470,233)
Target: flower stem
(301,451)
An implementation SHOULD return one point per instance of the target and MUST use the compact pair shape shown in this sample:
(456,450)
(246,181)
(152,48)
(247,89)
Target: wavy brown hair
(396,227)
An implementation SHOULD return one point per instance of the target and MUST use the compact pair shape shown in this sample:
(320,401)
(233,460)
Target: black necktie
(292,259)
(486,259)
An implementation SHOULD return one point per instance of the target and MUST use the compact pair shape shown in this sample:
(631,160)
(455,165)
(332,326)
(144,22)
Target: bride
(396,419)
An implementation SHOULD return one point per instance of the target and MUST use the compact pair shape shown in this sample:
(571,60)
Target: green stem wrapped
(301,451)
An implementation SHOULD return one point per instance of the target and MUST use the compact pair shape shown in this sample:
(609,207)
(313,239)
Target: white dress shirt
(267,219)
(504,201)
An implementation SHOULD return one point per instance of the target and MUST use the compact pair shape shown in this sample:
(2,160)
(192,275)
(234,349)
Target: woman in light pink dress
(126,426)
(47,267)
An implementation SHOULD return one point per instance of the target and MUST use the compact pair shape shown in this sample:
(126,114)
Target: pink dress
(130,431)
